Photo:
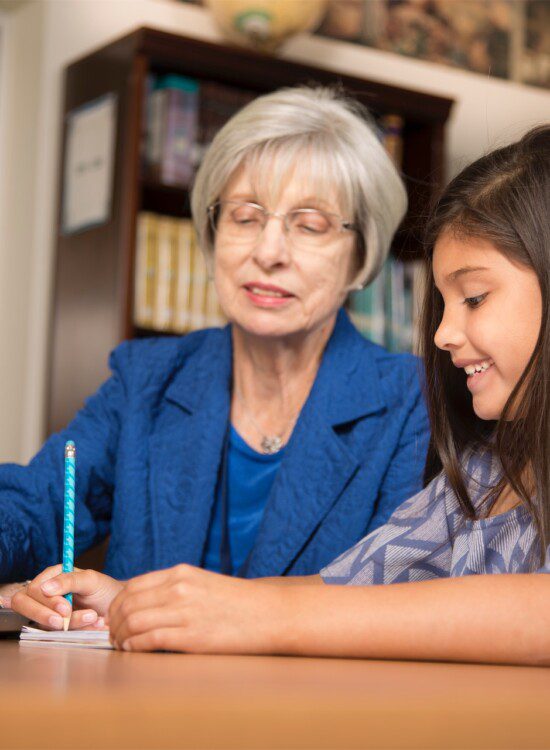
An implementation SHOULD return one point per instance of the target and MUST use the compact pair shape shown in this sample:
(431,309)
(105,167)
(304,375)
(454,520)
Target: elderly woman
(266,448)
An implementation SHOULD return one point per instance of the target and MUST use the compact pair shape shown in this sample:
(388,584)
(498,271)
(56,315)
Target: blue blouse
(250,476)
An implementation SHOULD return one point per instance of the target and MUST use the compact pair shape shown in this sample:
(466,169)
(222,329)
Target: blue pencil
(68,517)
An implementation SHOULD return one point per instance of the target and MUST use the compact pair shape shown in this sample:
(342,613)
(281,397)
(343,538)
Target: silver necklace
(269,443)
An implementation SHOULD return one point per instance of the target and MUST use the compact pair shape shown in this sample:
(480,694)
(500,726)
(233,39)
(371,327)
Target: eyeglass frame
(345,225)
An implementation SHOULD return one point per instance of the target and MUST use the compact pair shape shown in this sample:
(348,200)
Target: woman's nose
(449,334)
(271,247)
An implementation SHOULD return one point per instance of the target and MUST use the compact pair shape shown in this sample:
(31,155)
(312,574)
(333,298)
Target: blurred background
(481,70)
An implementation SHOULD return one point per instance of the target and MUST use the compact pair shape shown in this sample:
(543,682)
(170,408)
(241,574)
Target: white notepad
(78,638)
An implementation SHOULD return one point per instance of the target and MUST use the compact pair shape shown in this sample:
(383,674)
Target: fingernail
(63,608)
(126,646)
(56,622)
(50,587)
(89,617)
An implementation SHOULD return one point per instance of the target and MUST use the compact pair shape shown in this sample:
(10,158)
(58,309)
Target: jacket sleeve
(404,477)
(31,497)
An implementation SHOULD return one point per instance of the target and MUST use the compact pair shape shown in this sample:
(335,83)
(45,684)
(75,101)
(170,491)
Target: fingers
(145,620)
(91,589)
(85,618)
(44,615)
(49,610)
(53,570)
(155,580)
(46,611)
(48,618)
(83,582)
(160,639)
(128,603)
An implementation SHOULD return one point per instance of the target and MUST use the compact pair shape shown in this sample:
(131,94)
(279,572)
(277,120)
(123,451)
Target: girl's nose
(449,334)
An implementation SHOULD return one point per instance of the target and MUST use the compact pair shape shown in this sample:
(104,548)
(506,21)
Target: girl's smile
(491,320)
(475,372)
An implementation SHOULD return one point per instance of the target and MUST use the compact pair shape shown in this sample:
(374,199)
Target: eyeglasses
(304,227)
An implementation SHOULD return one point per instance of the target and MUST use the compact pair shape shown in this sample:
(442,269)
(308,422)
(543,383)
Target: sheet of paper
(89,162)
(79,638)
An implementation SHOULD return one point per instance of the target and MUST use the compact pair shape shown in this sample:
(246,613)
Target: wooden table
(77,698)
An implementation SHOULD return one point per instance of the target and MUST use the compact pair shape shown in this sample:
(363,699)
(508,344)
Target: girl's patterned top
(429,537)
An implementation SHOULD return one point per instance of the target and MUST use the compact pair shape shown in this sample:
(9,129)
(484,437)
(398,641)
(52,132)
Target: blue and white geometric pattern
(428,537)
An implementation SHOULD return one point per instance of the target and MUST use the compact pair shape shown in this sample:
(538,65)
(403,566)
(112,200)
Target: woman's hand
(188,609)
(42,599)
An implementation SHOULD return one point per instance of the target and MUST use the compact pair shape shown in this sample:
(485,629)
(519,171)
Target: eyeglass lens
(245,222)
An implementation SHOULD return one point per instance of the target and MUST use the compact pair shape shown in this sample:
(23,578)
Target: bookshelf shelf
(94,274)
(172,200)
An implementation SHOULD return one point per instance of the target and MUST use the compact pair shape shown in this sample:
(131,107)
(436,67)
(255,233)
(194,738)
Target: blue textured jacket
(149,444)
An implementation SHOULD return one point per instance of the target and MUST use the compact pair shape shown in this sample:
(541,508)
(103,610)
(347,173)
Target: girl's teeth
(481,367)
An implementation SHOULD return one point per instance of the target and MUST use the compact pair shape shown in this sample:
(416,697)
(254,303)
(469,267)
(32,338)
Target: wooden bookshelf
(94,273)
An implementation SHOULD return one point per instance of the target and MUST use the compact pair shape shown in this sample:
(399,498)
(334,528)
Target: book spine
(145,270)
(198,287)
(145,145)
(163,310)
(157,131)
(179,138)
(392,137)
(182,318)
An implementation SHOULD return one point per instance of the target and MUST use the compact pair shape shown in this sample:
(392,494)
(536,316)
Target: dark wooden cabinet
(94,271)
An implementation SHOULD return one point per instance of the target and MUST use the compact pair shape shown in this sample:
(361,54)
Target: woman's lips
(267,295)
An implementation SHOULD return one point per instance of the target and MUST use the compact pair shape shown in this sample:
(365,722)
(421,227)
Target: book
(171,113)
(392,137)
(184,270)
(179,130)
(73,638)
(164,307)
(199,281)
(155,112)
(386,311)
(145,269)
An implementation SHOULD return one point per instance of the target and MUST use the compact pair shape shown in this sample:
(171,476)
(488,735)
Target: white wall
(488,113)
(19,65)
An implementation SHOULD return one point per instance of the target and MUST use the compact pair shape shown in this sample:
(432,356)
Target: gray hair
(318,135)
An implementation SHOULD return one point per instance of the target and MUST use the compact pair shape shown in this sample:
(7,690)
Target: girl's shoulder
(481,470)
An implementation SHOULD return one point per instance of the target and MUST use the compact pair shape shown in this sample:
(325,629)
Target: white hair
(316,135)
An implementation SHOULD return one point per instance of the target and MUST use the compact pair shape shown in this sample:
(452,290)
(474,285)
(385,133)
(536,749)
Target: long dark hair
(504,198)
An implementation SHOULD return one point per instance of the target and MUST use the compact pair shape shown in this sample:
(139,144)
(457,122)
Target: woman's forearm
(491,618)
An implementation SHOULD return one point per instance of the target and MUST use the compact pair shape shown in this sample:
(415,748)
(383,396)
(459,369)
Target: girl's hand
(193,610)
(42,599)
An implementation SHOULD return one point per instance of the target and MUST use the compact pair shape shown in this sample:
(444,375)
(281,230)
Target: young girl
(487,510)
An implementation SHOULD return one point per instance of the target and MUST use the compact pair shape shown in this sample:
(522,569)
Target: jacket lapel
(317,464)
(186,450)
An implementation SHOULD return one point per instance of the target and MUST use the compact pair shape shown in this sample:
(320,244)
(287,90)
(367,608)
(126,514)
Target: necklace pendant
(271,444)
